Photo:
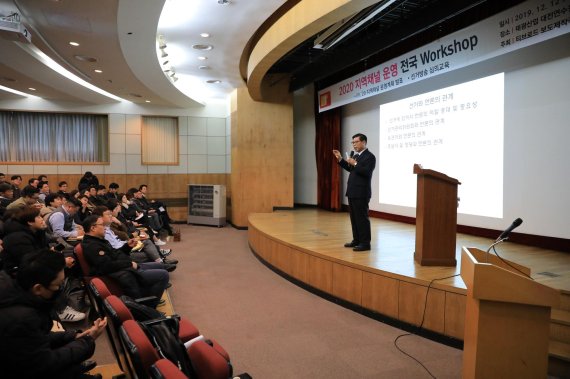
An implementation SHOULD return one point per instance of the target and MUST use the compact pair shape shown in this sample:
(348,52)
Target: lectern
(436,218)
(507,319)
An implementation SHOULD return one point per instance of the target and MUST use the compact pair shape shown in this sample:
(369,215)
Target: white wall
(204,138)
(537,136)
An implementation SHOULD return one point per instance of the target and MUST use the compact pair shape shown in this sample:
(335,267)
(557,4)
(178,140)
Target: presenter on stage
(360,164)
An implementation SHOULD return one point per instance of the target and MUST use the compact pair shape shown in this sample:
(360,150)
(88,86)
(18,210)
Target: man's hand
(135,266)
(132,242)
(80,230)
(69,262)
(337,154)
(96,330)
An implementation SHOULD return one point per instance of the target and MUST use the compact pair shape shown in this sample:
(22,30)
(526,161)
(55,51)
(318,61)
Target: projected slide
(457,131)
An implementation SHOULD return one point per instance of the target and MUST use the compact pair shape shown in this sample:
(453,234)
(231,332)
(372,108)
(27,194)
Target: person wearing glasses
(29,348)
(360,165)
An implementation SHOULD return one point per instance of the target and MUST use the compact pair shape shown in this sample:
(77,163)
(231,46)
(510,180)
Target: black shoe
(169,261)
(87,366)
(165,252)
(351,244)
(169,268)
(361,248)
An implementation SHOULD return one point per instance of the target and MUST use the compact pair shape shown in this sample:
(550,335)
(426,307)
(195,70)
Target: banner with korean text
(526,24)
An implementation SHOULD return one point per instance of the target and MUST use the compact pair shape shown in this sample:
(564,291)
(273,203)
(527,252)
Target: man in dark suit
(359,190)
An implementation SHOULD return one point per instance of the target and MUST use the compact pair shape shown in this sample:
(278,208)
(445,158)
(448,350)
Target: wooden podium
(436,218)
(507,319)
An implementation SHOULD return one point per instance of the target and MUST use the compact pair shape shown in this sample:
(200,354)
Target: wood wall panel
(454,315)
(410,302)
(299,265)
(347,283)
(380,294)
(435,311)
(282,258)
(320,274)
(262,155)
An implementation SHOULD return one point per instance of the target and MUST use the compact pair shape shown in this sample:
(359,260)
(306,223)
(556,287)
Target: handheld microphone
(505,234)
(351,153)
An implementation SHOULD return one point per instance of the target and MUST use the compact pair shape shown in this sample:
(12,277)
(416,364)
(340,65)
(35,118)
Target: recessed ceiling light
(204,67)
(98,71)
(7,79)
(135,95)
(74,43)
(147,101)
(32,89)
(204,35)
(165,62)
(202,47)
(213,81)
(202,58)
(85,58)
(223,2)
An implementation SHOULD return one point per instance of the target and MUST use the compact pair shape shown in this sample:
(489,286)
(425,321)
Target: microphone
(351,153)
(505,234)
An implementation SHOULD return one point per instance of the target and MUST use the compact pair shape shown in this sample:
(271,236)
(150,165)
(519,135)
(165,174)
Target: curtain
(49,137)
(159,140)
(328,171)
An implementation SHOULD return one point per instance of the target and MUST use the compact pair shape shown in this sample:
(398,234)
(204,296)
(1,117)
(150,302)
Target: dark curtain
(328,171)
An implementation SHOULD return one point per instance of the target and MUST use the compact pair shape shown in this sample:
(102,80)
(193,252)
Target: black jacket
(359,184)
(20,240)
(29,349)
(103,258)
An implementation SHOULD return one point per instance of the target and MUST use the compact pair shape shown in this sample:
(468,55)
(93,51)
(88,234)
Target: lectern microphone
(505,234)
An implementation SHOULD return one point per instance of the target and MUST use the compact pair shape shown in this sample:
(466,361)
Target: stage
(307,245)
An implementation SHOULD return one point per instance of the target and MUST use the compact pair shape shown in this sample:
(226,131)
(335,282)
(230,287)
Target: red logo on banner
(325,99)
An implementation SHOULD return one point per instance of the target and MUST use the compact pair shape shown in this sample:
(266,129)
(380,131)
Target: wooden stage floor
(307,245)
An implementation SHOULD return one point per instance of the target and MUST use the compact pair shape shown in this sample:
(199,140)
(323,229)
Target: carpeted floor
(273,329)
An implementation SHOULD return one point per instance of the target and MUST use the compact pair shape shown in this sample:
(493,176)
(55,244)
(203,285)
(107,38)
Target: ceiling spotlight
(164,54)
(172,74)
(223,2)
(202,47)
(85,58)
(32,89)
(202,58)
(204,67)
(74,43)
(204,35)
(213,81)
(147,101)
(161,42)
(98,71)
(165,63)
(174,79)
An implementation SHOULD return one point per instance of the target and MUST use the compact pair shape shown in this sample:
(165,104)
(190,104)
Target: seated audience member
(113,191)
(85,209)
(29,198)
(62,187)
(25,233)
(137,216)
(52,202)
(2,177)
(100,197)
(6,193)
(148,252)
(87,180)
(44,191)
(61,220)
(42,178)
(16,182)
(156,205)
(33,182)
(136,280)
(29,348)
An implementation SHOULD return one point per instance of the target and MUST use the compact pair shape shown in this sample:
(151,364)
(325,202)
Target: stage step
(559,350)
(559,316)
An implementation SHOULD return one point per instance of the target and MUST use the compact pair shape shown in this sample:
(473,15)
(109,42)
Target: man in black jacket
(359,190)
(136,279)
(29,348)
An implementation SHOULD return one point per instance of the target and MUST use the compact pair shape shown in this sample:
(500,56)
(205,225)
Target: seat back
(164,369)
(117,313)
(140,352)
(209,361)
(111,284)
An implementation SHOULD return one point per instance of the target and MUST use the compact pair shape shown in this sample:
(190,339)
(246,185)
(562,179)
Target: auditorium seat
(164,369)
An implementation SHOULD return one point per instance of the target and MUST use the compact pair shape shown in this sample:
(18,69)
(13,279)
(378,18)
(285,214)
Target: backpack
(140,311)
(163,334)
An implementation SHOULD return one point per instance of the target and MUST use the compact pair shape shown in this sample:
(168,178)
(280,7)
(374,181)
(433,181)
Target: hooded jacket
(20,240)
(29,348)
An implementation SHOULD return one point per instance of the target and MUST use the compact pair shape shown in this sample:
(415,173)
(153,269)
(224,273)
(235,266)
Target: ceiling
(119,38)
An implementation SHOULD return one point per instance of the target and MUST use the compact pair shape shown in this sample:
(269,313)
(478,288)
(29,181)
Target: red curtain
(328,171)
